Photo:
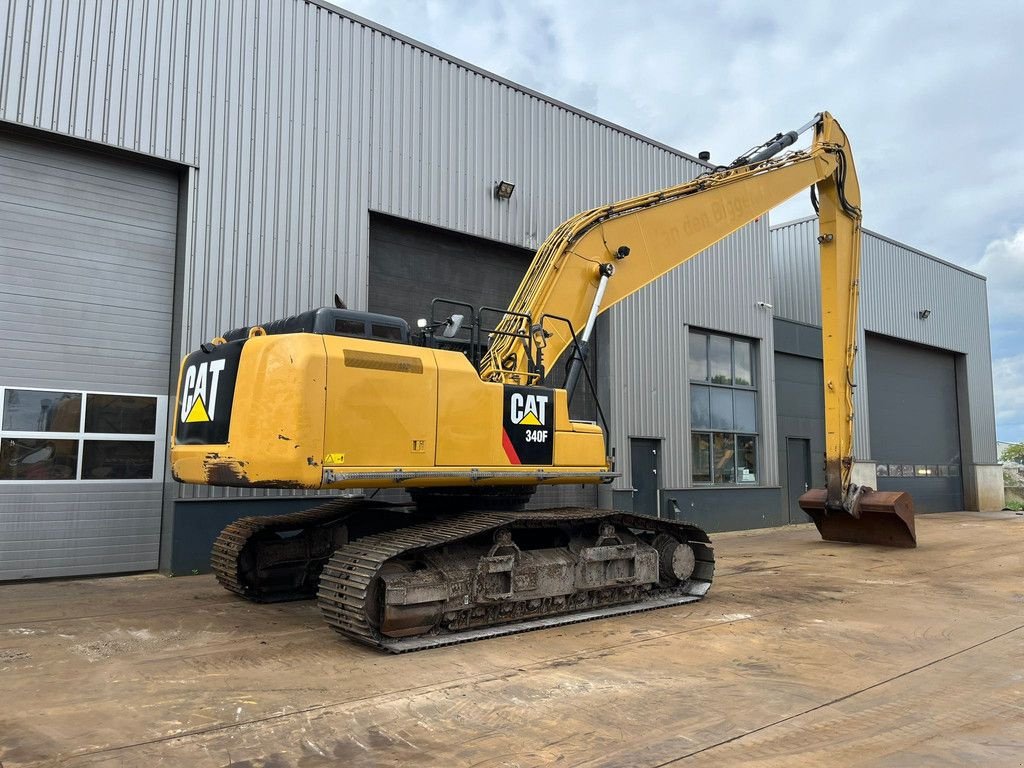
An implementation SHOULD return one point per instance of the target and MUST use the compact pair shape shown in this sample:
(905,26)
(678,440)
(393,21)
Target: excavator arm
(599,257)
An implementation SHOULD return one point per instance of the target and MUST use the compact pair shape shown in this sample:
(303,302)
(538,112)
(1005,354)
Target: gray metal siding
(896,282)
(300,120)
(717,290)
(87,248)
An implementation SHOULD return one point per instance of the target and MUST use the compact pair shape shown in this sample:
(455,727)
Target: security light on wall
(924,313)
(503,189)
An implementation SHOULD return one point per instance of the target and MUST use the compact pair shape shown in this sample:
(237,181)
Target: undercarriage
(402,578)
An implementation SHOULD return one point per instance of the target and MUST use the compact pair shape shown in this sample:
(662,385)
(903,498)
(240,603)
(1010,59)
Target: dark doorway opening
(644,470)
(798,475)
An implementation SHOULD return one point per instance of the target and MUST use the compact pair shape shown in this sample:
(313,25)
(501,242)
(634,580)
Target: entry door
(643,458)
(798,461)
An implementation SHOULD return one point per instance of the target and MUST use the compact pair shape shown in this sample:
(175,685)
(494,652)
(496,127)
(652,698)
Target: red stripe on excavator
(510,450)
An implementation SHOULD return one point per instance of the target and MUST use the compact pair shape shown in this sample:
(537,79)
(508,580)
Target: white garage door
(86,284)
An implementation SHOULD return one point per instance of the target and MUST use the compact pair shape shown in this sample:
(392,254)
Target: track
(275,558)
(350,591)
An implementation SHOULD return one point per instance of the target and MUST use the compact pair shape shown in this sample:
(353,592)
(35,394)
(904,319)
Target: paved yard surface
(804,653)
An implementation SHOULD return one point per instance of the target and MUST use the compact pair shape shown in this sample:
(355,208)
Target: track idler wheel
(885,518)
(676,560)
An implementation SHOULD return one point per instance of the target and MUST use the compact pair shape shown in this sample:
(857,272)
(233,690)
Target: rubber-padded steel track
(347,583)
(227,553)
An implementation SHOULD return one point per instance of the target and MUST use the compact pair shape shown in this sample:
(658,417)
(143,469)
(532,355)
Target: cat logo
(199,392)
(528,410)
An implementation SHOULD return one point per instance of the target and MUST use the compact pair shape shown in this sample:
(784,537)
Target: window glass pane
(700,451)
(698,356)
(349,327)
(724,457)
(882,470)
(390,332)
(721,408)
(744,406)
(720,357)
(38,459)
(700,407)
(117,460)
(120,414)
(26,410)
(741,356)
(746,459)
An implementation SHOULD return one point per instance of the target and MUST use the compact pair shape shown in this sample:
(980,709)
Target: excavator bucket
(885,518)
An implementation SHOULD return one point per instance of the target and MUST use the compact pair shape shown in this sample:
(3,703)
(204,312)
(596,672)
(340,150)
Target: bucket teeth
(884,518)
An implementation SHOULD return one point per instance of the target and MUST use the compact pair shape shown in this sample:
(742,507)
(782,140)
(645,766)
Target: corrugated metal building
(171,170)
(924,372)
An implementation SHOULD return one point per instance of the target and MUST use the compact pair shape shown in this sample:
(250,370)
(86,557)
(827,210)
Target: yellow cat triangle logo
(198,412)
(531,419)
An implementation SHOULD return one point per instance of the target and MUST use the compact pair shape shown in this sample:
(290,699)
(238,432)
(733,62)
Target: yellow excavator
(458,414)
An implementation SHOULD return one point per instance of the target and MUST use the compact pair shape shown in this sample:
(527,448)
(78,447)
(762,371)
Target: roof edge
(891,241)
(332,8)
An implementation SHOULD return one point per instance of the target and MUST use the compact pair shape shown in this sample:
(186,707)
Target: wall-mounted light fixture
(924,313)
(503,189)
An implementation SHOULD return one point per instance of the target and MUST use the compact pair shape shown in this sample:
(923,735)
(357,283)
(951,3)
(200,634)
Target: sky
(930,94)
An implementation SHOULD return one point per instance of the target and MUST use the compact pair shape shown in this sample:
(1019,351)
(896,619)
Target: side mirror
(452,325)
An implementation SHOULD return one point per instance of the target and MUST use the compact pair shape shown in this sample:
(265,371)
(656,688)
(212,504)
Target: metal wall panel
(300,120)
(896,283)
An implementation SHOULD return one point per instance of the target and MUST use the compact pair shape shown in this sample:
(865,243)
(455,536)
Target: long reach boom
(597,258)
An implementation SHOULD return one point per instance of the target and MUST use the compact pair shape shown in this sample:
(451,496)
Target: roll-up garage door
(87,244)
(915,435)
(411,264)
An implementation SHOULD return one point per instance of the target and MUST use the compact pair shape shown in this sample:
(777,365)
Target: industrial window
(57,435)
(723,410)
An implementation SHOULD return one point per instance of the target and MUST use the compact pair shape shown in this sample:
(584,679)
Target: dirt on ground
(804,653)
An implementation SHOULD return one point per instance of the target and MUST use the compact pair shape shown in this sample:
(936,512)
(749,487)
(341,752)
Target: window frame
(158,438)
(709,432)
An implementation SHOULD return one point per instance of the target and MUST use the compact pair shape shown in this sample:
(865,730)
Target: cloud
(1003,264)
(1008,373)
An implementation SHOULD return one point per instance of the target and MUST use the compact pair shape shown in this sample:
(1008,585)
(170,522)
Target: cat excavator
(460,415)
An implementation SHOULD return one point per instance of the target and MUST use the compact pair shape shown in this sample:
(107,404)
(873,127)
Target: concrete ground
(803,653)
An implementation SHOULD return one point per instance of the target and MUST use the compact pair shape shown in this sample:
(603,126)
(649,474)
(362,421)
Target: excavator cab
(884,518)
